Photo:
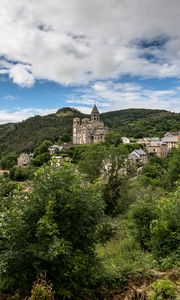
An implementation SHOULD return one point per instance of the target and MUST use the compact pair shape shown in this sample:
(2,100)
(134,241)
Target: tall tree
(51,231)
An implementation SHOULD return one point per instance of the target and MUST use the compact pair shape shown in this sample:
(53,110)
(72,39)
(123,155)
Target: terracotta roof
(95,110)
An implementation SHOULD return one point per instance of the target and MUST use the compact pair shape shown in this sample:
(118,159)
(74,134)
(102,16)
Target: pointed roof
(95,110)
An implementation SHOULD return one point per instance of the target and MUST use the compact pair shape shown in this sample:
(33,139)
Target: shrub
(54,233)
(163,289)
(42,290)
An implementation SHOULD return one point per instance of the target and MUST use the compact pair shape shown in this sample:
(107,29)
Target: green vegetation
(142,122)
(21,173)
(163,289)
(8,161)
(91,229)
(51,231)
(25,136)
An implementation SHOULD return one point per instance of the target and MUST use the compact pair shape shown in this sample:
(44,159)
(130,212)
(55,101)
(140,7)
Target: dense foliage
(89,227)
(26,135)
(51,231)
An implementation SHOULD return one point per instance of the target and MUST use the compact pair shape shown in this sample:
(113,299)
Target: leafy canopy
(53,234)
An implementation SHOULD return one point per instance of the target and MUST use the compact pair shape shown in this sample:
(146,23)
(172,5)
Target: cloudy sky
(119,53)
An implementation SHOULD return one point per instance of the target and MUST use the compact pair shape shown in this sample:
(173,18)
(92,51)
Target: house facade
(139,157)
(24,159)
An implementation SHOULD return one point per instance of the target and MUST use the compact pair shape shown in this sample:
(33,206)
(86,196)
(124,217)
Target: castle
(89,131)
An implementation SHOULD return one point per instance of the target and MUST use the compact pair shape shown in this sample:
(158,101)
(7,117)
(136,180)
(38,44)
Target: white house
(125,140)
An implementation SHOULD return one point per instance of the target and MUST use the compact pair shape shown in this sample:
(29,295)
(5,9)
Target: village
(93,131)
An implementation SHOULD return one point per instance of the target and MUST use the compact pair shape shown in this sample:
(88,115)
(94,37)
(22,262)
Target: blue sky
(121,54)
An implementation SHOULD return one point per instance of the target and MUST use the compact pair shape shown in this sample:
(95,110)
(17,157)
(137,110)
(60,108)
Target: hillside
(142,122)
(28,134)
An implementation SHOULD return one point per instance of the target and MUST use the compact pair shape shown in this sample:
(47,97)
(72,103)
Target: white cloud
(11,97)
(72,42)
(116,96)
(21,76)
(22,114)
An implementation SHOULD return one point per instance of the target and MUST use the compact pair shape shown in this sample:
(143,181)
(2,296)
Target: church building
(88,131)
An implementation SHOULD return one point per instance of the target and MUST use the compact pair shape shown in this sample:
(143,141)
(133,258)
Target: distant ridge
(26,135)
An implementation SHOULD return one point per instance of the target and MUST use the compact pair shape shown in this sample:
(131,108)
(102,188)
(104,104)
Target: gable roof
(137,153)
(140,152)
(170,139)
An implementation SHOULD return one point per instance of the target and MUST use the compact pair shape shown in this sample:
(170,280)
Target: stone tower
(95,114)
(76,125)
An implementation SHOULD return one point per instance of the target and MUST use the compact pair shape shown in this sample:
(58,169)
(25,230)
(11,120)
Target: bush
(8,161)
(42,290)
(142,214)
(20,173)
(53,233)
(156,225)
(163,289)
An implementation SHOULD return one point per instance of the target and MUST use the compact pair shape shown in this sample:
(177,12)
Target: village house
(177,134)
(24,159)
(139,157)
(161,147)
(147,140)
(125,140)
(158,148)
(172,141)
(88,131)
(54,149)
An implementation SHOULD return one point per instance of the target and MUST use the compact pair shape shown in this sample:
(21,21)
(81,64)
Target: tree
(116,183)
(65,138)
(20,173)
(8,161)
(7,189)
(113,138)
(156,224)
(41,159)
(54,233)
(165,229)
(42,148)
(92,160)
(142,213)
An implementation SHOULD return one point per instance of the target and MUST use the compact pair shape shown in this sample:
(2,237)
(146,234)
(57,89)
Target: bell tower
(76,125)
(95,114)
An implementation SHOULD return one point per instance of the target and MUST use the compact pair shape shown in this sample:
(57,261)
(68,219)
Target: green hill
(26,135)
(142,122)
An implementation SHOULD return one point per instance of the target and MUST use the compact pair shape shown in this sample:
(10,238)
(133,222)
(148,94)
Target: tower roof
(95,110)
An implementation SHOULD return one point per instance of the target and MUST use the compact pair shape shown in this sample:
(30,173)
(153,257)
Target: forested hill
(26,135)
(142,122)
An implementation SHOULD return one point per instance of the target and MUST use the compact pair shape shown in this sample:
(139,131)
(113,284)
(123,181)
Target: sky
(116,53)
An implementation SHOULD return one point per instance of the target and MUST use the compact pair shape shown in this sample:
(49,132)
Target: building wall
(88,132)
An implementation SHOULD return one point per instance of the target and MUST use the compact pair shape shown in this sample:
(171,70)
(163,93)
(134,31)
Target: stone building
(159,148)
(139,157)
(24,159)
(87,131)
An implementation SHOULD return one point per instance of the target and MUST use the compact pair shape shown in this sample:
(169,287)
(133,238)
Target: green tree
(143,213)
(53,234)
(65,138)
(41,159)
(165,229)
(8,161)
(174,166)
(92,160)
(20,173)
(7,189)
(42,148)
(113,138)
(116,182)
